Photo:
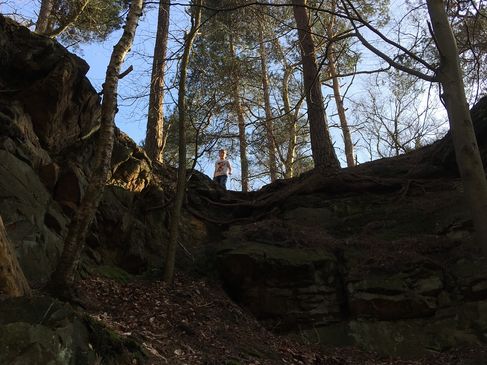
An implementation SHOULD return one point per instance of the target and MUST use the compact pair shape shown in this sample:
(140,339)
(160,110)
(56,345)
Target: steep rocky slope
(377,256)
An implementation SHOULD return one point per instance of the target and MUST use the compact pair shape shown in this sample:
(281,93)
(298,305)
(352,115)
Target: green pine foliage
(95,23)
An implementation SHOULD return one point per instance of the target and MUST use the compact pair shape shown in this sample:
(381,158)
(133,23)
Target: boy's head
(222,154)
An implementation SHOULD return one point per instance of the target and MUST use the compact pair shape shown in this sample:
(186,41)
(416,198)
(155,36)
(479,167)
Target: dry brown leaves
(194,322)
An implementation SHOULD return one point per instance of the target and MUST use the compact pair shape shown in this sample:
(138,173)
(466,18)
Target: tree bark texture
(293,121)
(63,276)
(237,104)
(321,146)
(271,145)
(44,14)
(466,149)
(347,138)
(154,140)
(181,182)
(291,117)
(12,280)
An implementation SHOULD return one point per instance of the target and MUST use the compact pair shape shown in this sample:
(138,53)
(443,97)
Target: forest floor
(194,322)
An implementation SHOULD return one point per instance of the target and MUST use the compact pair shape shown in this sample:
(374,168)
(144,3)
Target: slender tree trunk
(347,138)
(155,139)
(181,182)
(63,277)
(244,162)
(466,149)
(292,118)
(292,121)
(321,146)
(271,146)
(44,14)
(12,280)
(395,138)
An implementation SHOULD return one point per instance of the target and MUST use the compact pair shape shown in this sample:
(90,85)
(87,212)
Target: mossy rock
(41,330)
(113,348)
(275,254)
(44,331)
(113,272)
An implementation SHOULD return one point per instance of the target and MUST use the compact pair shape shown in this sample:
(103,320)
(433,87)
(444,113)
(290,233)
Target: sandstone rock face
(323,268)
(49,118)
(283,287)
(32,218)
(53,90)
(345,293)
(42,331)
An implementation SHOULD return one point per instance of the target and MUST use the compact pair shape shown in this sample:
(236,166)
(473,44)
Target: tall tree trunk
(332,69)
(63,276)
(395,137)
(321,146)
(466,149)
(291,118)
(347,138)
(244,162)
(155,139)
(12,280)
(271,145)
(292,123)
(181,182)
(44,14)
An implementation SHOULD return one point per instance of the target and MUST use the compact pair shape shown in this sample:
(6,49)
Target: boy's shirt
(222,167)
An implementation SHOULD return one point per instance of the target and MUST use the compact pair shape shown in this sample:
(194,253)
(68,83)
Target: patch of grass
(113,272)
(111,347)
(259,353)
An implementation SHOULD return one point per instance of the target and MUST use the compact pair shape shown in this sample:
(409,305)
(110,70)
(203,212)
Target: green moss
(258,352)
(391,217)
(233,362)
(290,255)
(113,272)
(111,347)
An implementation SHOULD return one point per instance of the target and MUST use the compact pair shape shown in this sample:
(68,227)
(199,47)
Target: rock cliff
(376,256)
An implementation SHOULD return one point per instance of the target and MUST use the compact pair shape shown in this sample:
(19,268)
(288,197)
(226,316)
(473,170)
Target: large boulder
(41,330)
(50,85)
(284,287)
(401,297)
(33,220)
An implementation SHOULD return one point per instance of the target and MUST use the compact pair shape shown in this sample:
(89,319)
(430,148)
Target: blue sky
(133,89)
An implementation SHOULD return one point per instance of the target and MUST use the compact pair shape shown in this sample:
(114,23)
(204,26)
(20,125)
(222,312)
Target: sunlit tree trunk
(44,14)
(154,140)
(347,138)
(291,117)
(244,162)
(332,69)
(12,280)
(466,149)
(63,276)
(181,182)
(321,146)
(271,146)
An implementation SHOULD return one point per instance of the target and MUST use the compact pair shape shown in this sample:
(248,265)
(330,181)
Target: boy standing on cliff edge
(223,168)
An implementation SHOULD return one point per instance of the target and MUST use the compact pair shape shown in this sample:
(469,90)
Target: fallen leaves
(195,323)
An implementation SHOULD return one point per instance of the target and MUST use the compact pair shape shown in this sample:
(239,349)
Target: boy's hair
(222,150)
